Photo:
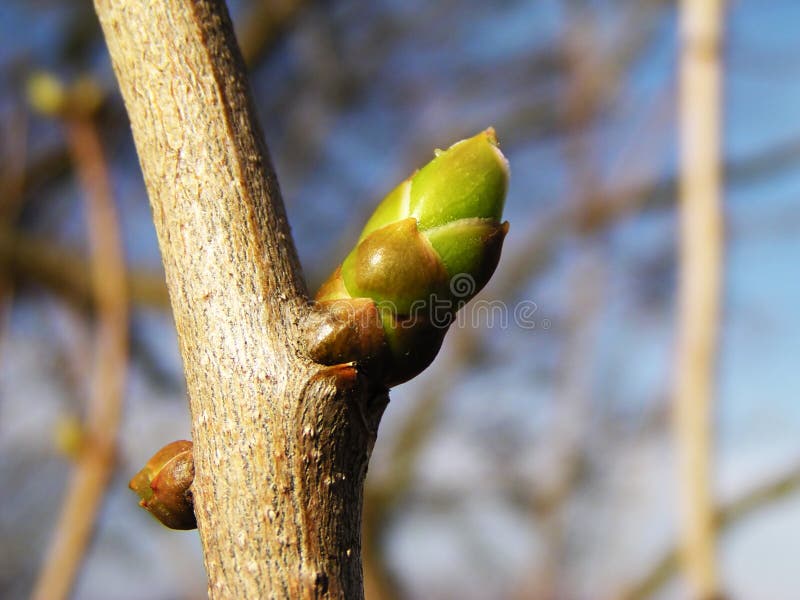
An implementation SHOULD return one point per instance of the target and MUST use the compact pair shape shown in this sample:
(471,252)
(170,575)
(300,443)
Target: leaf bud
(164,485)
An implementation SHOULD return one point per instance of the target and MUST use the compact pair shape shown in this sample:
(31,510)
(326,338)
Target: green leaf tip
(468,180)
(440,225)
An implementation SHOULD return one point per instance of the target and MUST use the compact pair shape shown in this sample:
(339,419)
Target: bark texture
(280,444)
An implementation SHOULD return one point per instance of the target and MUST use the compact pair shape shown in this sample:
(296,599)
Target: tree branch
(280,444)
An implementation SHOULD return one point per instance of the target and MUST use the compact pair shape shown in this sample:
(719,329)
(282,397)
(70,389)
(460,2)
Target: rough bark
(280,444)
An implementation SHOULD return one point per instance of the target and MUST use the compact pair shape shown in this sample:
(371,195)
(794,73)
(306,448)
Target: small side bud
(164,485)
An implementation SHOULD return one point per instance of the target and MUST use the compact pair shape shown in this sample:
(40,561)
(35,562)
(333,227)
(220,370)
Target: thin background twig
(96,461)
(700,248)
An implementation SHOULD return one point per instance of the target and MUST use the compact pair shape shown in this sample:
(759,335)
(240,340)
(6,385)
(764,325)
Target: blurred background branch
(699,288)
(96,455)
(67,274)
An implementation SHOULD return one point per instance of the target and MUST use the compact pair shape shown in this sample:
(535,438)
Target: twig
(95,464)
(699,288)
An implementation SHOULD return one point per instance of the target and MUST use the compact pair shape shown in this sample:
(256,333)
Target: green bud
(164,485)
(439,226)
